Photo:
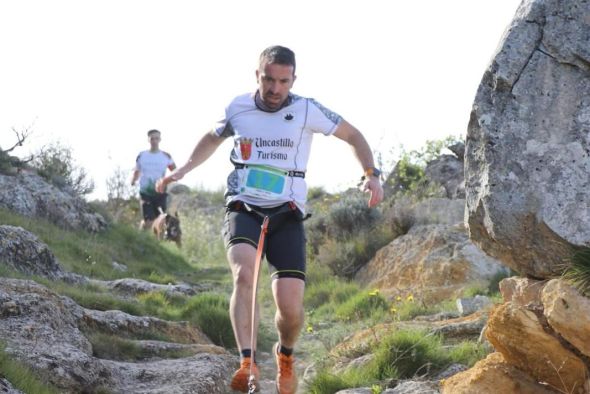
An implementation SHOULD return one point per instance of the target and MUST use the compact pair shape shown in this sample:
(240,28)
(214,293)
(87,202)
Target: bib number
(263,182)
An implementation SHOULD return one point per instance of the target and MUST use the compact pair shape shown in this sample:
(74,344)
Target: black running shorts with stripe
(284,246)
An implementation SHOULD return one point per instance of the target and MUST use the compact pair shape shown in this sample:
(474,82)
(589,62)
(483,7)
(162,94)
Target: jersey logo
(289,116)
(246,148)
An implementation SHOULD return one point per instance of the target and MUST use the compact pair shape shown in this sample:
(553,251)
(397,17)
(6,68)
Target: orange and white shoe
(241,379)
(286,378)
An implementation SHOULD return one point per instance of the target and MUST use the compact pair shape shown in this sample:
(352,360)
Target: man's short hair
(153,131)
(277,54)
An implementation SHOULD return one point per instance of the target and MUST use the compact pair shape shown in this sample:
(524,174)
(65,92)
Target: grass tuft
(578,272)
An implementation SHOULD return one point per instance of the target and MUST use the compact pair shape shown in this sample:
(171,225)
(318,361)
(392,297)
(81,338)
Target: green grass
(404,354)
(467,353)
(111,347)
(21,377)
(92,254)
(362,306)
(210,312)
(578,271)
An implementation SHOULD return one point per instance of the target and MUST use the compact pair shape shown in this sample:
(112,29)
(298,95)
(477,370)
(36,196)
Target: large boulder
(30,195)
(23,252)
(568,313)
(494,375)
(431,262)
(527,342)
(527,150)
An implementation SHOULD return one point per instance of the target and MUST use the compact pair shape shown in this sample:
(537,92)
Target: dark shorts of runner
(150,204)
(284,246)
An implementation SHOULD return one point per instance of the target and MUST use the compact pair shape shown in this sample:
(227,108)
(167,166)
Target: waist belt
(292,173)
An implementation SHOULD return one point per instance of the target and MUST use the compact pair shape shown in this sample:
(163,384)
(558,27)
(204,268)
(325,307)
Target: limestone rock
(44,331)
(30,195)
(132,286)
(527,152)
(467,306)
(522,291)
(6,388)
(493,375)
(520,336)
(568,313)
(433,263)
(447,170)
(440,211)
(22,251)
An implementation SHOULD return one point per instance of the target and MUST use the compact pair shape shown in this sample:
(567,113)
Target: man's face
(274,83)
(154,140)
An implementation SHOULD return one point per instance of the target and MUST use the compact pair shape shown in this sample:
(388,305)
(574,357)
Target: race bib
(263,182)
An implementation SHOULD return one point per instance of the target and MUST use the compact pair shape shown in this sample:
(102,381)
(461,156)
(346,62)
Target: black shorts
(284,245)
(150,204)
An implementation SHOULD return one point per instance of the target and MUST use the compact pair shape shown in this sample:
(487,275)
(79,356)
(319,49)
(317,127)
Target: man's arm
(134,176)
(203,150)
(348,133)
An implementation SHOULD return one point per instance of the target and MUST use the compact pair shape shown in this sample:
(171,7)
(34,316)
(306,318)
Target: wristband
(373,171)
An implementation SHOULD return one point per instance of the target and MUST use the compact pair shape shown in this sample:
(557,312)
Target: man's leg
(241,258)
(289,317)
(147,211)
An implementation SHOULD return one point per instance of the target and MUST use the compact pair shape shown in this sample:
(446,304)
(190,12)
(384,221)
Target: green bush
(406,354)
(362,305)
(346,256)
(351,215)
(55,163)
(326,383)
(467,353)
(210,312)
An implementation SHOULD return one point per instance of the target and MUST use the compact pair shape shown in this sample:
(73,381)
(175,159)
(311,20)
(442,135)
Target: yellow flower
(398,298)
(309,328)
(393,310)
(410,298)
(374,293)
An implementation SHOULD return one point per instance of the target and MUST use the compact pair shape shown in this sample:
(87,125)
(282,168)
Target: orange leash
(264,229)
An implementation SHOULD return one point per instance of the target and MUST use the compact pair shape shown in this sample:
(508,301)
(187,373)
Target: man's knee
(241,258)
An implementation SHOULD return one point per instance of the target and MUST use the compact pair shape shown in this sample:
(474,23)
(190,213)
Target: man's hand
(163,182)
(373,186)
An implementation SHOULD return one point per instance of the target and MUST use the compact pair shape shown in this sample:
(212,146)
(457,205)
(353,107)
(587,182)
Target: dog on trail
(167,227)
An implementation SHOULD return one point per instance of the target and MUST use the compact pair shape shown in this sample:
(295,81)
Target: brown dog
(167,227)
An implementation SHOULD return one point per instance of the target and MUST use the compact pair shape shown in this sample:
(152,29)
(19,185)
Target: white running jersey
(152,166)
(280,140)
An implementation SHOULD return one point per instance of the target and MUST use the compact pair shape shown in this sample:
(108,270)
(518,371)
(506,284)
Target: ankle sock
(245,353)
(285,350)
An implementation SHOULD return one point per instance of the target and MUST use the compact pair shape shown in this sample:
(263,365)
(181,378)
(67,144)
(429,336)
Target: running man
(272,131)
(151,165)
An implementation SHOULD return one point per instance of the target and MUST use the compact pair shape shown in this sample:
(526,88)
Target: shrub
(345,257)
(400,216)
(209,311)
(468,353)
(406,354)
(351,215)
(362,305)
(326,383)
(55,163)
